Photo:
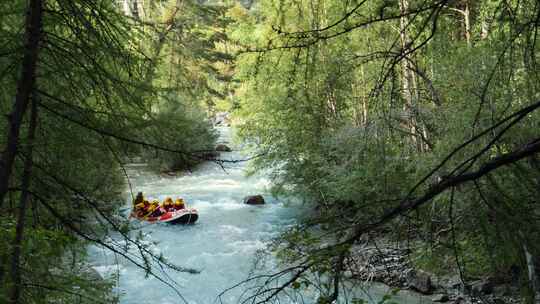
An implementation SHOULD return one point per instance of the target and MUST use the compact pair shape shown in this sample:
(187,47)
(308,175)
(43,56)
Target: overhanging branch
(408,205)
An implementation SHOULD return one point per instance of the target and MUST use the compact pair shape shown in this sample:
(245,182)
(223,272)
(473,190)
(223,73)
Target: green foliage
(351,122)
(54,268)
(106,93)
(196,137)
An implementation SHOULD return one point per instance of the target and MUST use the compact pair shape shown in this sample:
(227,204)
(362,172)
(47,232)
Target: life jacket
(154,209)
(141,209)
(142,205)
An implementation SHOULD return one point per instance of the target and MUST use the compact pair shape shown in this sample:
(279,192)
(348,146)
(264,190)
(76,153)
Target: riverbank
(391,265)
(227,242)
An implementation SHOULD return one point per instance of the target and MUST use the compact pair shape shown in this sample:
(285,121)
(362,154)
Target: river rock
(440,298)
(482,287)
(254,200)
(223,148)
(210,155)
(419,281)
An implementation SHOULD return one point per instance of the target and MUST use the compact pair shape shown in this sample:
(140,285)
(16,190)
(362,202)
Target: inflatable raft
(182,216)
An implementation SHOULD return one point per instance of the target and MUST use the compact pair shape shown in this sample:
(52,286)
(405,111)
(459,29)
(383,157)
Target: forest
(406,131)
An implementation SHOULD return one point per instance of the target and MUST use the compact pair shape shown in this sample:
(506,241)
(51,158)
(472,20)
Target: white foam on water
(222,244)
(231,229)
(248,246)
(107,270)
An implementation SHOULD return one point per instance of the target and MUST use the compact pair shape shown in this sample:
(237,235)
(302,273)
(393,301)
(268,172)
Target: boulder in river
(223,148)
(419,281)
(482,287)
(254,200)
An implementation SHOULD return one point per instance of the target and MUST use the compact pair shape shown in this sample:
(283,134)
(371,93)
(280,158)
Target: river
(223,244)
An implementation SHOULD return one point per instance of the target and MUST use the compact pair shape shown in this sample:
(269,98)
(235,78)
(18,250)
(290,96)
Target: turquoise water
(223,244)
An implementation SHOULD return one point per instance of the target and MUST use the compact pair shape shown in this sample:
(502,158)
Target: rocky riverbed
(392,266)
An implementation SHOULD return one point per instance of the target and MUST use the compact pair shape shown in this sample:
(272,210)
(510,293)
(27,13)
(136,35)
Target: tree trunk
(25,86)
(485,30)
(15,291)
(467,21)
(126,6)
(531,269)
(162,36)
(135,10)
(466,12)
(364,99)
(3,264)
(407,76)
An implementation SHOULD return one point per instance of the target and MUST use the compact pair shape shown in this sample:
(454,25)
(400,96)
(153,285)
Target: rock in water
(482,287)
(419,281)
(223,148)
(254,200)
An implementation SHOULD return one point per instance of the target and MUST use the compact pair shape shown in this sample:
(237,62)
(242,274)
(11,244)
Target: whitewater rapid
(223,244)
